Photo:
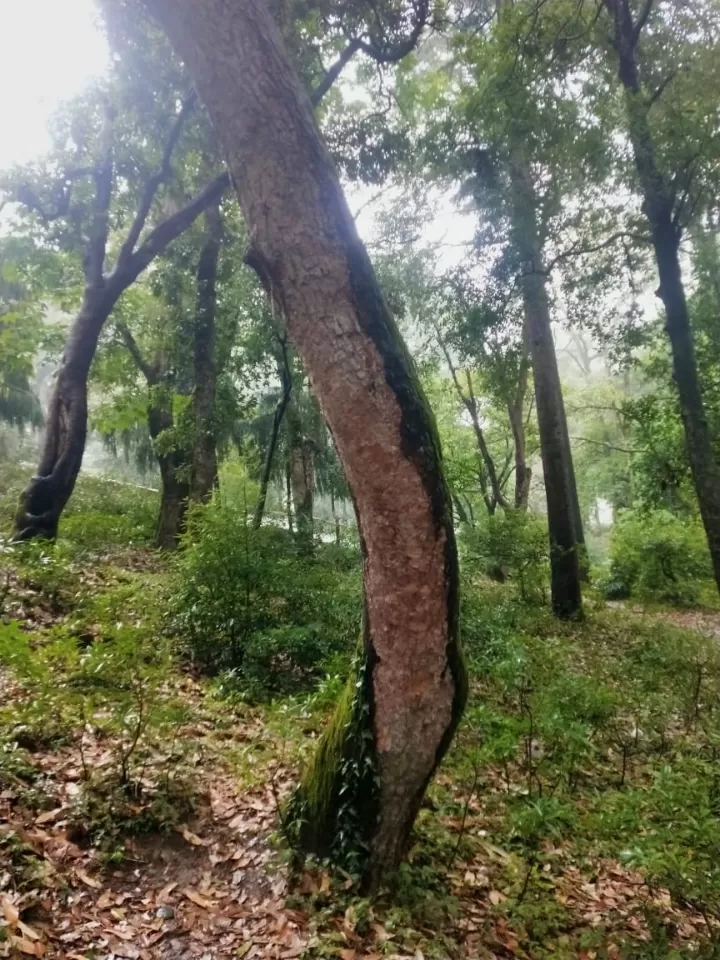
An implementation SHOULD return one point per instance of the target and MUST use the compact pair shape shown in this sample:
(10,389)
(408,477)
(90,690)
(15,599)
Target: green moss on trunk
(334,809)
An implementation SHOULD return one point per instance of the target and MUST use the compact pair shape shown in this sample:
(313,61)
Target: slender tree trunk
(288,496)
(658,203)
(204,462)
(302,477)
(554,442)
(45,497)
(336,519)
(516,416)
(397,719)
(175,486)
(286,381)
(174,499)
(523,470)
(268,462)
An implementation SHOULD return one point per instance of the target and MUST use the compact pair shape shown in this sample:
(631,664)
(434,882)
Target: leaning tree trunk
(43,500)
(658,202)
(552,423)
(371,771)
(204,477)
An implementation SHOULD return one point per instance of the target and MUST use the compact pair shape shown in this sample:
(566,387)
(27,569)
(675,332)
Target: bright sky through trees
(48,52)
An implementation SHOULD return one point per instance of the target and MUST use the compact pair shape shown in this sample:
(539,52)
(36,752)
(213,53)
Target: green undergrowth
(102,515)
(587,756)
(586,760)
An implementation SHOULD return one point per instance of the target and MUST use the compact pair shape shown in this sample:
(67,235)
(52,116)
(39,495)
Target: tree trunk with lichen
(395,727)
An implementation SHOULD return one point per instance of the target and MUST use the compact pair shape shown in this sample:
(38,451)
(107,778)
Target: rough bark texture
(204,477)
(552,423)
(658,206)
(318,272)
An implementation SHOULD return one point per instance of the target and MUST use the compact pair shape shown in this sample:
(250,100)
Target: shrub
(248,603)
(657,556)
(512,545)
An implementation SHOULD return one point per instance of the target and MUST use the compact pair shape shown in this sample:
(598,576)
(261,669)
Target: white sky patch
(49,51)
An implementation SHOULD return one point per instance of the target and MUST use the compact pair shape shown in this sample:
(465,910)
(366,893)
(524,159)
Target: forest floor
(143,819)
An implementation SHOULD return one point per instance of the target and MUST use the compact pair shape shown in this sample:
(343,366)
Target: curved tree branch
(153,184)
(167,231)
(148,370)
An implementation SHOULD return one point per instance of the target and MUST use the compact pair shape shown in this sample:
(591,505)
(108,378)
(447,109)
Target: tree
(105,158)
(499,119)
(204,475)
(398,718)
(670,181)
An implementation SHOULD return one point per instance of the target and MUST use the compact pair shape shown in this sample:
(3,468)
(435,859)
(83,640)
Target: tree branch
(377,52)
(334,72)
(641,21)
(606,446)
(94,259)
(61,193)
(579,250)
(153,184)
(167,231)
(655,96)
(149,371)
(393,53)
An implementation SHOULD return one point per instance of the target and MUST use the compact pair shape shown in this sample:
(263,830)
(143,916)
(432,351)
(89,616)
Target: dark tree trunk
(204,477)
(516,416)
(658,206)
(558,472)
(288,497)
(45,497)
(286,381)
(397,719)
(173,504)
(174,476)
(302,476)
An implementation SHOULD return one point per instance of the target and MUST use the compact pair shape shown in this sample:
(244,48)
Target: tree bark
(302,476)
(399,717)
(204,478)
(175,486)
(658,206)
(558,472)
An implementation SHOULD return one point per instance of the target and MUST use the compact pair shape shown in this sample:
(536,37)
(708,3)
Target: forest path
(205,888)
